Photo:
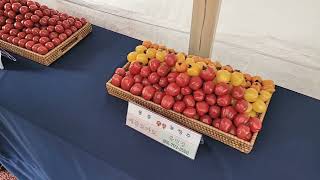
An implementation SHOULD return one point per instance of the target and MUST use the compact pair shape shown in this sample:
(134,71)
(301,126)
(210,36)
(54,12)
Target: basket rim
(51,51)
(249,143)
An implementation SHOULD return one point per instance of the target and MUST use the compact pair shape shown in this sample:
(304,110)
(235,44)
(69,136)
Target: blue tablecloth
(59,123)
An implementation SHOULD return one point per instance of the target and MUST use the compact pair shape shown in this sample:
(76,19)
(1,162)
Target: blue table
(59,123)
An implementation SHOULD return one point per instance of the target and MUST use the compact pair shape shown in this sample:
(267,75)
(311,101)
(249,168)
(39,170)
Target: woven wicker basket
(55,53)
(193,124)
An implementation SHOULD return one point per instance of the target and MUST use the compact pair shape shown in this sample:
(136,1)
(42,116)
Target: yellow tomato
(202,64)
(259,106)
(265,95)
(223,76)
(151,53)
(140,49)
(189,61)
(237,78)
(252,114)
(160,56)
(180,57)
(132,56)
(251,95)
(142,58)
(194,70)
(249,109)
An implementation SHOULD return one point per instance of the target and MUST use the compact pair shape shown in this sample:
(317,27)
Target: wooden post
(205,15)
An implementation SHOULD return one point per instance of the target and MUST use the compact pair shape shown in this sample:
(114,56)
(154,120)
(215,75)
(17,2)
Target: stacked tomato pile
(198,88)
(35,27)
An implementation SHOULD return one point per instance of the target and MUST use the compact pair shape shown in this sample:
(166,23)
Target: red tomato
(43,7)
(50,29)
(29,37)
(29,45)
(53,12)
(255,124)
(42,50)
(46,17)
(30,3)
(28,23)
(10,39)
(33,7)
(59,29)
(35,31)
(35,18)
(9,21)
(83,21)
(73,29)
(15,40)
(23,10)
(243,132)
(44,33)
(36,38)
(28,15)
(44,40)
(35,47)
(46,12)
(78,24)
(14,32)
(53,35)
(2,20)
(43,21)
(56,17)
(5,37)
(28,30)
(63,17)
(49,45)
(56,41)
(19,17)
(66,24)
(71,21)
(15,6)
(68,32)
(63,37)
(225,124)
(22,42)
(38,13)
(13,1)
(38,4)
(6,28)
(7,6)
(23,2)
(12,14)
(18,25)
(52,21)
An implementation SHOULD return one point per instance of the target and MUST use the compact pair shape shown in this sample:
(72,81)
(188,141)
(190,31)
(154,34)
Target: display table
(58,122)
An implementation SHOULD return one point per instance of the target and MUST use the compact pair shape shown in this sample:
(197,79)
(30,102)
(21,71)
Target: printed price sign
(161,129)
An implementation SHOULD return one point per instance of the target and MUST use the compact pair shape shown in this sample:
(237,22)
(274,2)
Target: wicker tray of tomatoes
(37,32)
(218,101)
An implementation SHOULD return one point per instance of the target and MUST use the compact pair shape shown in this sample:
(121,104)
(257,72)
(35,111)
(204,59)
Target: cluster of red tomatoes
(220,105)
(35,27)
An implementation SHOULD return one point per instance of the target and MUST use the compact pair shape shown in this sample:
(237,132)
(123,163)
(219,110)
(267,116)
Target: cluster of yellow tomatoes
(258,92)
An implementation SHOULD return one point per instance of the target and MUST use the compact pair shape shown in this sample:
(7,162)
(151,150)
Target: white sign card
(161,129)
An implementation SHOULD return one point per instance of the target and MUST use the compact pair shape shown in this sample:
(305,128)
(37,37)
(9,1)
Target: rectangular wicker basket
(55,53)
(193,124)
